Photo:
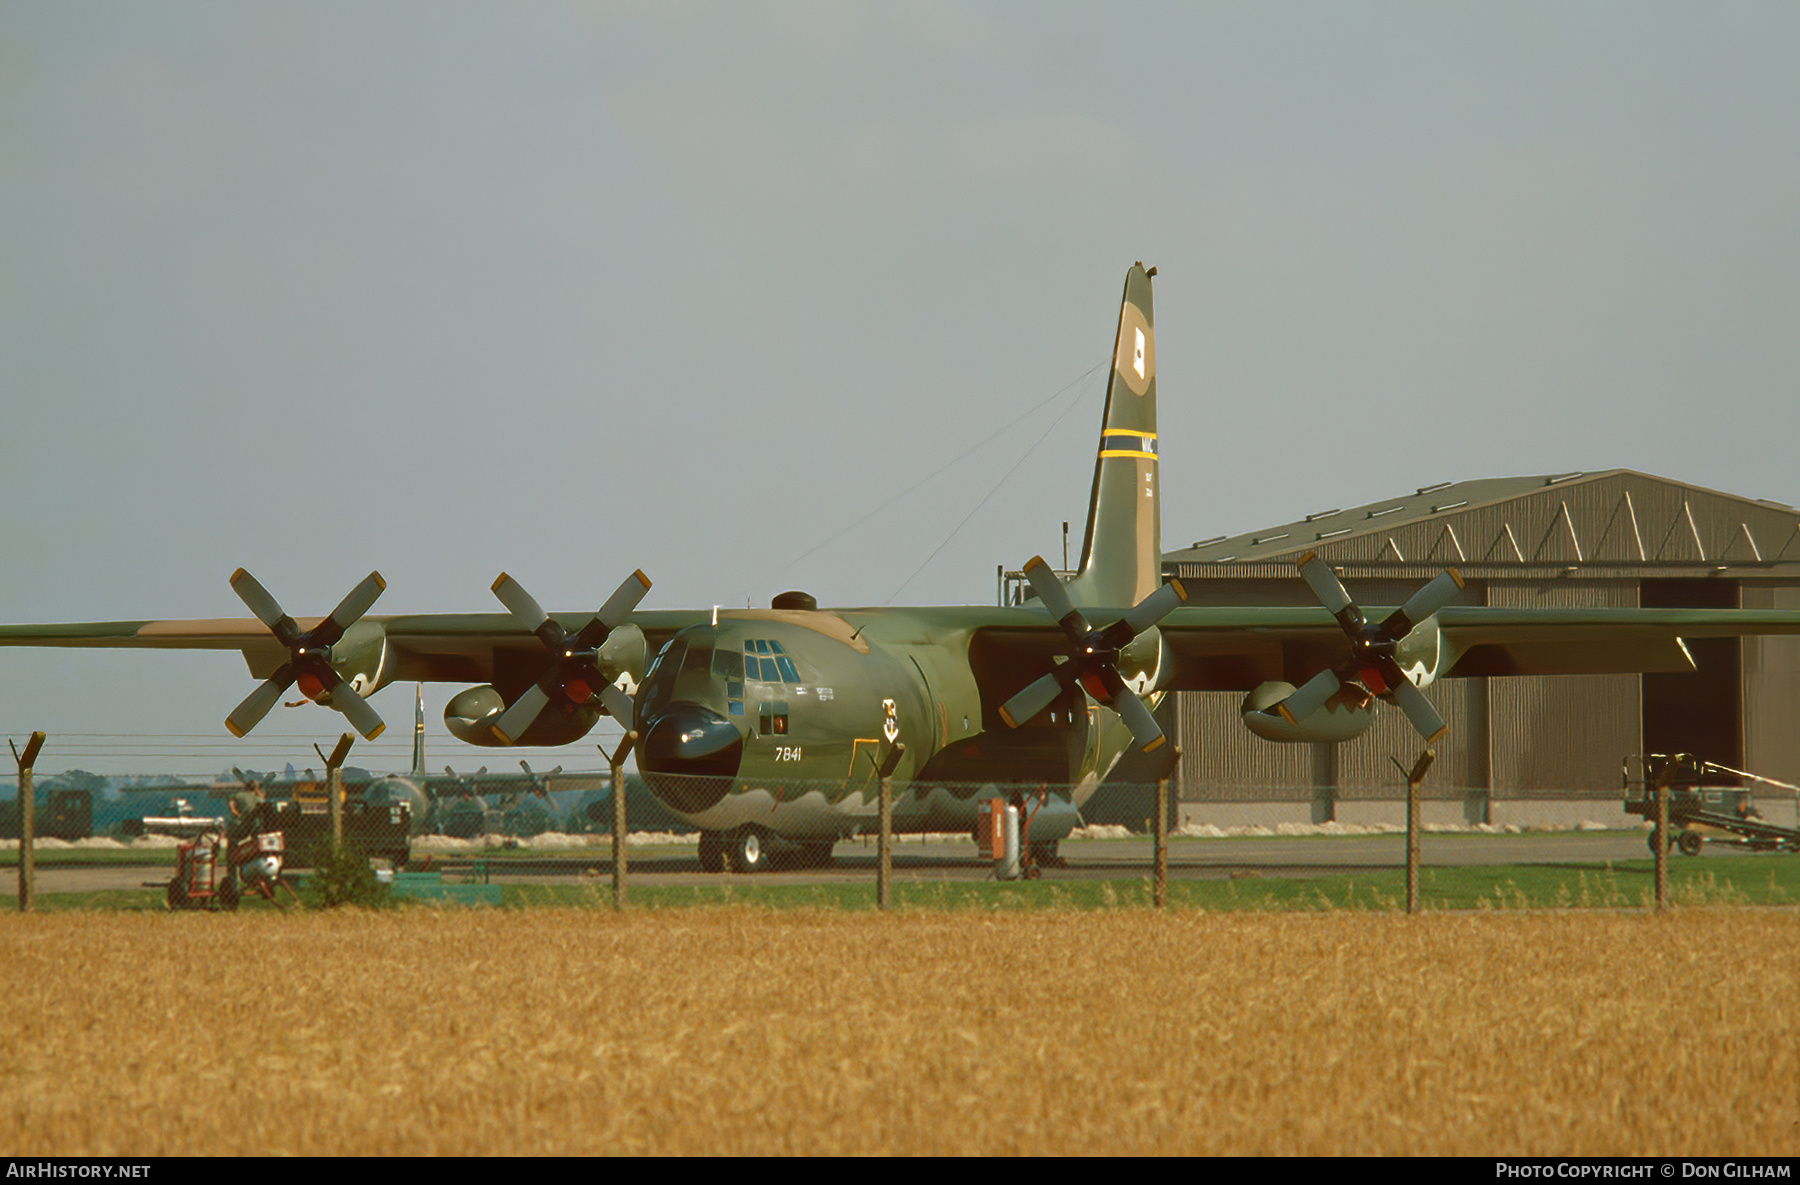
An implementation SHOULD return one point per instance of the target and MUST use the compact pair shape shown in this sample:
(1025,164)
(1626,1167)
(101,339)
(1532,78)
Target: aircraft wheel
(1652,841)
(230,893)
(712,852)
(747,852)
(1045,855)
(178,894)
(1689,842)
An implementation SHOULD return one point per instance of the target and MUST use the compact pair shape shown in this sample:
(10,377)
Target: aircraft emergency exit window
(728,663)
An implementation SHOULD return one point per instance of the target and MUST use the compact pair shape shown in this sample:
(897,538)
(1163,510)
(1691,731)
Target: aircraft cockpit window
(769,662)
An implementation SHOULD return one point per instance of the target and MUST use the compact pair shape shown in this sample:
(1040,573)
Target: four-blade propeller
(1370,662)
(1094,664)
(574,676)
(309,657)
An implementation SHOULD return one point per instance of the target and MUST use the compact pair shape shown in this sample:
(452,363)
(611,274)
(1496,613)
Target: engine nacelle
(1141,661)
(471,713)
(360,656)
(1344,717)
(1422,653)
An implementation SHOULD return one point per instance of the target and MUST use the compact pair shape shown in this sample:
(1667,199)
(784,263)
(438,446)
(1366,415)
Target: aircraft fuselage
(779,719)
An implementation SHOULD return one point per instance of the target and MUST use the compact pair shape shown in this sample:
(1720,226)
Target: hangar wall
(1612,539)
(1772,691)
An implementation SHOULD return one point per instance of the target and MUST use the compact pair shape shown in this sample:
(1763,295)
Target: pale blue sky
(568,289)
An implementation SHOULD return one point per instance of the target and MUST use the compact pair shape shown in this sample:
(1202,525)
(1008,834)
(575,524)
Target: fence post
(334,787)
(27,807)
(884,846)
(1662,832)
(1160,831)
(616,759)
(1415,778)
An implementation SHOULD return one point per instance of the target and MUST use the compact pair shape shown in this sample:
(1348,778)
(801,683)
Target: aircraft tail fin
(1121,554)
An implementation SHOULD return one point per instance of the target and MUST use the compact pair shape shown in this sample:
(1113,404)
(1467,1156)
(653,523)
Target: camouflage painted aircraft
(765,723)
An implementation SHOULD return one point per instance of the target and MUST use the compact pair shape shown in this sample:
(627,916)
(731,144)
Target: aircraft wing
(438,647)
(1494,641)
(1236,648)
(486,784)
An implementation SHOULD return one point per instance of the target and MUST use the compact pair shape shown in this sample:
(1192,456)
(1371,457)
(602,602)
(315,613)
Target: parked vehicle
(1700,814)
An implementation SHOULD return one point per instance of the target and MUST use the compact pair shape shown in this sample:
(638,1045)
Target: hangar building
(1612,539)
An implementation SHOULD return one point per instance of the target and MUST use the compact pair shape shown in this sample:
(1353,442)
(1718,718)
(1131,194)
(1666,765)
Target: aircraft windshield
(681,656)
(659,680)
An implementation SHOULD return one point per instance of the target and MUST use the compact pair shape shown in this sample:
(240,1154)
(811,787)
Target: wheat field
(742,1030)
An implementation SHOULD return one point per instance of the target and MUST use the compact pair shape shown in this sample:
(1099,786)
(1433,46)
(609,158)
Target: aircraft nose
(691,739)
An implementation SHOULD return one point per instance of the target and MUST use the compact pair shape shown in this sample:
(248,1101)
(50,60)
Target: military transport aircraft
(764,723)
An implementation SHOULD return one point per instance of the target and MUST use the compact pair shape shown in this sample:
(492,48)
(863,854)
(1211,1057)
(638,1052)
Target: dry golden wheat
(749,1031)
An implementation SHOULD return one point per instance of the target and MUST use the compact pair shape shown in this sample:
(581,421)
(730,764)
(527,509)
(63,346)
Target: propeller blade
(357,710)
(1054,596)
(1031,701)
(618,607)
(1329,589)
(1155,607)
(618,705)
(521,604)
(1137,717)
(1311,696)
(267,609)
(1422,604)
(350,609)
(256,705)
(515,720)
(1418,709)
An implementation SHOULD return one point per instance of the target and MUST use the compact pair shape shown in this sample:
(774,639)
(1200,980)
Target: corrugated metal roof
(1333,527)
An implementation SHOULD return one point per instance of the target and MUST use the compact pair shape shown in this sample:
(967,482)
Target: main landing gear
(742,851)
(754,850)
